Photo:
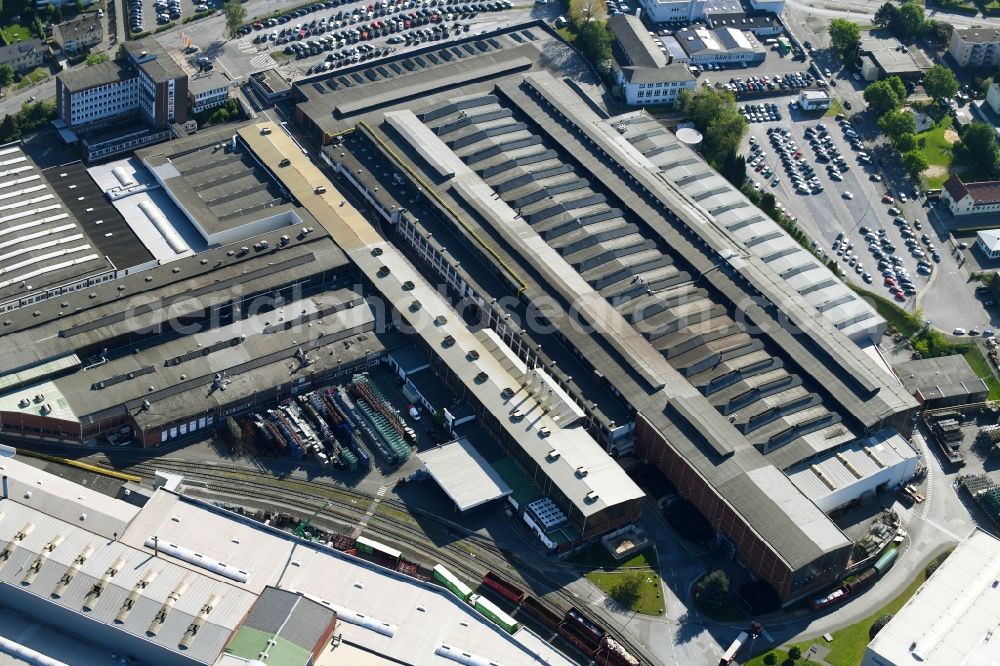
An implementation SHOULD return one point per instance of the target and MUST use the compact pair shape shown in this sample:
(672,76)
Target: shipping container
(493,613)
(730,655)
(378,550)
(450,581)
(505,589)
(885,562)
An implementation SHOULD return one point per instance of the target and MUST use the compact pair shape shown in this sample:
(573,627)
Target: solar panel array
(125,376)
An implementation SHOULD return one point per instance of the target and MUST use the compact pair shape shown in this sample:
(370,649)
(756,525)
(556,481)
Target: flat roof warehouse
(148,600)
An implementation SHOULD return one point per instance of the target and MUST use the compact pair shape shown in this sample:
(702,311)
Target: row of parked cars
(760,113)
(801,174)
(449,9)
(350,56)
(764,83)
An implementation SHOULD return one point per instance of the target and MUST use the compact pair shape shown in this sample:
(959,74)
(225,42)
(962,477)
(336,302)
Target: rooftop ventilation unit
(448,341)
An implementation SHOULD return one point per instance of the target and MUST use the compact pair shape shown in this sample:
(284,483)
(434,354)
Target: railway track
(458,555)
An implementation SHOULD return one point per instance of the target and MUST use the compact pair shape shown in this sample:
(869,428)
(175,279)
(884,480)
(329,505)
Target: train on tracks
(858,584)
(574,626)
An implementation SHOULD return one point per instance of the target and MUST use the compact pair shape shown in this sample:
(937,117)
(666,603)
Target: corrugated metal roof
(464,474)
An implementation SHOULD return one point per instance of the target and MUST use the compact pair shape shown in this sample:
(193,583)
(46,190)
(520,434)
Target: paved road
(863,11)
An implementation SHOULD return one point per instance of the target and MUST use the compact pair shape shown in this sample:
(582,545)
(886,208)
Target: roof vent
(448,341)
(473,355)
(544,431)
(414,306)
(383,271)
(581,472)
(440,320)
(481,377)
(592,496)
(408,285)
(377,252)
(553,455)
(517,414)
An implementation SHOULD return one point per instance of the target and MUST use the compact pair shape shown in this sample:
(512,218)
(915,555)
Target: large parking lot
(320,40)
(147,15)
(822,174)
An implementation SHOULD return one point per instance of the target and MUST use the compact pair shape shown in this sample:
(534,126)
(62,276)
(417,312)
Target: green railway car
(450,581)
(490,611)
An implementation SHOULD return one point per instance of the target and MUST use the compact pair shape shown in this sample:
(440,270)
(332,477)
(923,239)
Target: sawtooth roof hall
(542,195)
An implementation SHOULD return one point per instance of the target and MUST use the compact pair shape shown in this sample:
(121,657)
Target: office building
(208,91)
(114,107)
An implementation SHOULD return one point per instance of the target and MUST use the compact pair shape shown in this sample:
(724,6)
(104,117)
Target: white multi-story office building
(207,91)
(673,11)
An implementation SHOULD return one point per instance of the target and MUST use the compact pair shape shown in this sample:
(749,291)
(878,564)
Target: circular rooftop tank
(690,136)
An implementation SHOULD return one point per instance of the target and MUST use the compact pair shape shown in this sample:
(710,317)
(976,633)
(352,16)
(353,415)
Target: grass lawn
(608,574)
(982,368)
(598,557)
(848,646)
(32,78)
(649,598)
(280,55)
(896,317)
(937,151)
(835,108)
(15,33)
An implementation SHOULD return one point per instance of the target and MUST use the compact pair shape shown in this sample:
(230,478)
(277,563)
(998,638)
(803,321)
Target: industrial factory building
(565,230)
(182,583)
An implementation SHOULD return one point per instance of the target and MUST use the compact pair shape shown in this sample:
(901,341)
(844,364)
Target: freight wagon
(580,621)
(865,579)
(537,610)
(490,610)
(503,588)
(613,654)
(450,581)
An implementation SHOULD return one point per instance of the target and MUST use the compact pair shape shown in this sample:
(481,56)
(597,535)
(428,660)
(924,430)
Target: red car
(887,199)
(900,296)
(889,282)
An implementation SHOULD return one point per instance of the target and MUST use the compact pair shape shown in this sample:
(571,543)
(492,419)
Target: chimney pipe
(156,546)
(6,489)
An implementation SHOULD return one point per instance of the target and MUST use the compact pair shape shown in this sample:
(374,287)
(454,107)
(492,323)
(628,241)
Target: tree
(877,625)
(9,131)
(794,653)
(979,145)
(80,6)
(734,169)
(940,31)
(915,164)
(581,11)
(594,41)
(940,83)
(770,659)
(904,143)
(897,123)
(844,35)
(96,58)
(897,86)
(910,22)
(236,14)
(712,591)
(6,74)
(886,15)
(629,590)
(882,97)
(714,113)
